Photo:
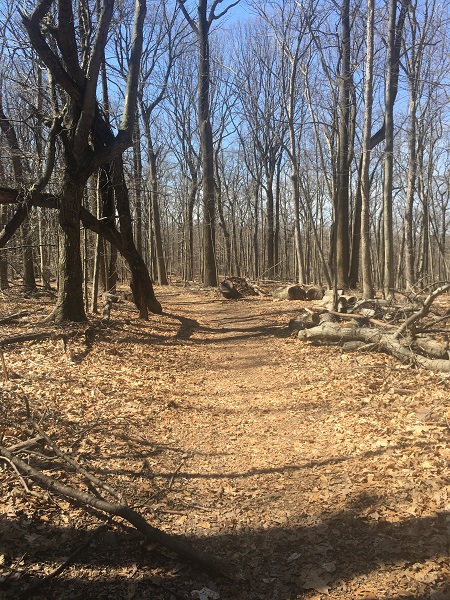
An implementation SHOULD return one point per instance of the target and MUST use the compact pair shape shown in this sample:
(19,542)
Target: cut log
(382,340)
(327,317)
(108,297)
(304,322)
(242,286)
(356,346)
(430,348)
(289,292)
(314,293)
(228,290)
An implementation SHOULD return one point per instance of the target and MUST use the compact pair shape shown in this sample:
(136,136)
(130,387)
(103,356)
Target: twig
(21,479)
(32,589)
(174,474)
(172,541)
(5,370)
(73,463)
(13,568)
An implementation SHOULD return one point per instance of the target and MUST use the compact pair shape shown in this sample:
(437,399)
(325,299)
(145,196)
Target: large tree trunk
(207,149)
(70,304)
(341,232)
(366,264)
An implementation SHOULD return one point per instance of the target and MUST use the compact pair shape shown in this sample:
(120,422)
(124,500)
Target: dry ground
(317,473)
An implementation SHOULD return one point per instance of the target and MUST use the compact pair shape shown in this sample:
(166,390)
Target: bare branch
(213,17)
(129,110)
(423,311)
(188,17)
(171,541)
(45,53)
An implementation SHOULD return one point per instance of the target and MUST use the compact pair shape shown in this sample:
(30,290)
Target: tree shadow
(329,552)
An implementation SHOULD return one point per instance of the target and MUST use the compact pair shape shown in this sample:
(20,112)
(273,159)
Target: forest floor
(317,473)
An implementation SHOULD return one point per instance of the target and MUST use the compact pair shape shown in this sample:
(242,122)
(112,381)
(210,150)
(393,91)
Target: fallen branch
(408,324)
(14,317)
(384,342)
(170,541)
(21,479)
(73,463)
(26,444)
(88,333)
(32,337)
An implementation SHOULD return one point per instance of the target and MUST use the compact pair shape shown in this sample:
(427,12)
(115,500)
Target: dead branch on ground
(171,541)
(398,335)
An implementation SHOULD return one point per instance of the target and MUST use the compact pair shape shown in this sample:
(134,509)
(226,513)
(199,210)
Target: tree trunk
(410,192)
(193,189)
(207,149)
(157,231)
(4,283)
(270,219)
(70,304)
(141,284)
(366,265)
(342,199)
(137,183)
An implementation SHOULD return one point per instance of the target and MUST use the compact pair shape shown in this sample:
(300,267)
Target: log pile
(298,292)
(234,288)
(414,331)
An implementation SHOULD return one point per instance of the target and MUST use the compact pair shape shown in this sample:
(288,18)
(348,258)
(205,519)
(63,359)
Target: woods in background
(307,142)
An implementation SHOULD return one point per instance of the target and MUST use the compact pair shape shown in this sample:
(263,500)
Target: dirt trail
(317,473)
(309,456)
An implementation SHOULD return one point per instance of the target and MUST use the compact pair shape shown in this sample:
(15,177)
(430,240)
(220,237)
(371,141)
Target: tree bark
(388,279)
(157,229)
(341,231)
(366,264)
(207,148)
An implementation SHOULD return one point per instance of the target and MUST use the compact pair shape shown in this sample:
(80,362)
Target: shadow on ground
(278,563)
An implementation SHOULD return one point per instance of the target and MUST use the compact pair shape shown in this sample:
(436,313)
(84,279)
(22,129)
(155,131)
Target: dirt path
(318,474)
(312,458)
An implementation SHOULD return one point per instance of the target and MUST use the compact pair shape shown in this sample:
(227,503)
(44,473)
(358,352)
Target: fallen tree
(94,499)
(408,340)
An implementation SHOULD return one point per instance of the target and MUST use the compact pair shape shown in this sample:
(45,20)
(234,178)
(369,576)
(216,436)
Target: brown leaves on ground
(320,474)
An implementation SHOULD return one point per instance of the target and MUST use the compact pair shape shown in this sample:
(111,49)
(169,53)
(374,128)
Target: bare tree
(87,142)
(201,26)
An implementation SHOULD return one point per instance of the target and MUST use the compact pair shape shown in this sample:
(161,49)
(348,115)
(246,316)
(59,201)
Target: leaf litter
(321,474)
